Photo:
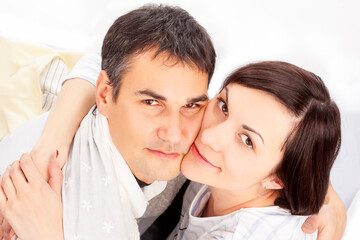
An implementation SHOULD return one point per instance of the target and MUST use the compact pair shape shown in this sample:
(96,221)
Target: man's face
(157,115)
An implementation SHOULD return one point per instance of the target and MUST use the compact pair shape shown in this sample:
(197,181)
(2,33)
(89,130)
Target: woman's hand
(331,220)
(6,232)
(31,205)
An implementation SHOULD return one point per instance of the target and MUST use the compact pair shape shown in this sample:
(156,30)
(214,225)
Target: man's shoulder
(165,223)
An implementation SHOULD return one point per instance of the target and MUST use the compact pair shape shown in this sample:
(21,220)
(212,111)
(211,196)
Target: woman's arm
(75,99)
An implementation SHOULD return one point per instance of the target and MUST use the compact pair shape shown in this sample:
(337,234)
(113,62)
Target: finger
(17,176)
(12,234)
(7,237)
(3,199)
(2,195)
(8,185)
(6,228)
(1,220)
(29,169)
(56,176)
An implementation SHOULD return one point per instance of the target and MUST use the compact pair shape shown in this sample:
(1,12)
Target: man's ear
(103,93)
(272,182)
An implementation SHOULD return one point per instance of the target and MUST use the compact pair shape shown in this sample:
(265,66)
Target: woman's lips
(162,154)
(200,157)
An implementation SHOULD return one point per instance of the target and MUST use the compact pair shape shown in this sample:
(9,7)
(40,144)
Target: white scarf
(101,197)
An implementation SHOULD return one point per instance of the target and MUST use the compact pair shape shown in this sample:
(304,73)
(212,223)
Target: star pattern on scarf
(107,226)
(87,205)
(86,166)
(68,182)
(106,181)
(75,237)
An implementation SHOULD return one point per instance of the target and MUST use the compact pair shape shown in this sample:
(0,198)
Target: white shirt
(248,223)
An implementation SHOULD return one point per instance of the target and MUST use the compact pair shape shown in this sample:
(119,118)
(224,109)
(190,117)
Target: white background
(322,36)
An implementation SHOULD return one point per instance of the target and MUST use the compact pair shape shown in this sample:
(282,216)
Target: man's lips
(200,157)
(162,154)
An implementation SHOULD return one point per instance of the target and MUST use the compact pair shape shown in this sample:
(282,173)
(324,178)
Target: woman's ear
(103,93)
(273,182)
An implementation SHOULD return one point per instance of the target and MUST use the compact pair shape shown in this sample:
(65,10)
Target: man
(157,63)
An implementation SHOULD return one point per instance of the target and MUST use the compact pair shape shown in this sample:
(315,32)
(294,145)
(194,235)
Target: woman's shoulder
(273,222)
(192,191)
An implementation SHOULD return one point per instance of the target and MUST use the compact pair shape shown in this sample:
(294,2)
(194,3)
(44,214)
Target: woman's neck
(222,202)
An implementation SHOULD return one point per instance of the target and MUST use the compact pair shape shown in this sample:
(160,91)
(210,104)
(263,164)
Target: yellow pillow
(20,92)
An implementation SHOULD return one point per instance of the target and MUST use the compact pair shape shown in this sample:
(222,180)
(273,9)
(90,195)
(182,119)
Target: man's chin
(167,172)
(163,169)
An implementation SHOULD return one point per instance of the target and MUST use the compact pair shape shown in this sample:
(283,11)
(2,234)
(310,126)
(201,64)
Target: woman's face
(240,141)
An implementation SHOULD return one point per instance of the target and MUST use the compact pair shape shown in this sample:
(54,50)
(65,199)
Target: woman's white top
(248,223)
(88,68)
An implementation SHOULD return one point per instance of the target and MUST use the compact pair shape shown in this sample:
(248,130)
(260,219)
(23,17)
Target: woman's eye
(151,102)
(246,140)
(223,107)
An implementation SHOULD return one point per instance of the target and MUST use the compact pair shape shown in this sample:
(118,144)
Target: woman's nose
(215,137)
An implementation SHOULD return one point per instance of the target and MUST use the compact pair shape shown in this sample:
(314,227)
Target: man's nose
(172,129)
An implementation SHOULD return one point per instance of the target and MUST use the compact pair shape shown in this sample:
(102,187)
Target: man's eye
(151,102)
(223,107)
(192,105)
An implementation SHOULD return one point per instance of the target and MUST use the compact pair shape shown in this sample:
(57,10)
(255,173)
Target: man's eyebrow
(201,98)
(152,94)
(254,131)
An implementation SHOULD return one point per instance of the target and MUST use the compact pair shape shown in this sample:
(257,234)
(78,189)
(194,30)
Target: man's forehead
(165,58)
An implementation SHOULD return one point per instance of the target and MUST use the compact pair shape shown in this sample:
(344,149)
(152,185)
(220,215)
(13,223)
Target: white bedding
(352,230)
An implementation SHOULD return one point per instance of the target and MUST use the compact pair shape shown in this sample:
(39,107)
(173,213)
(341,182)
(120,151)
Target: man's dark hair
(311,148)
(164,28)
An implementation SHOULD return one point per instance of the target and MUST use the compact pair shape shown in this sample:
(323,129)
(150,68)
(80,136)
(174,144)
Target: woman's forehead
(260,110)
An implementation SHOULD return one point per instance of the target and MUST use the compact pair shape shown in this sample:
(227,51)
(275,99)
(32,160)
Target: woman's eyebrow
(246,127)
(227,96)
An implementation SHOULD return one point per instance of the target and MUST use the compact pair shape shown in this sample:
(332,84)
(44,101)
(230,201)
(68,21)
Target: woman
(270,117)
(265,150)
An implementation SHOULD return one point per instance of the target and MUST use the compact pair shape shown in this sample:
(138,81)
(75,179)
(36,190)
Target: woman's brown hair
(311,148)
